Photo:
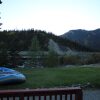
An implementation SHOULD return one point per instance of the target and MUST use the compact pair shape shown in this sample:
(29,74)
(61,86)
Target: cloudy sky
(56,16)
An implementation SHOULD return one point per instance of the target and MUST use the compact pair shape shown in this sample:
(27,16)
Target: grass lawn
(56,77)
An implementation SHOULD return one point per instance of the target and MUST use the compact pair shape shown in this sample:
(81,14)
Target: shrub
(52,59)
(71,59)
(94,58)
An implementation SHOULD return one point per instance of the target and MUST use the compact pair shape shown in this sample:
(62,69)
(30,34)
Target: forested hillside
(21,40)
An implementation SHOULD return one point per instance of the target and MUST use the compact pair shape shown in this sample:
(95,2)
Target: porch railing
(42,94)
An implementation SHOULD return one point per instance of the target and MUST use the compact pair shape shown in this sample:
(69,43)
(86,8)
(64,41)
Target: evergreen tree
(3,57)
(14,59)
(52,57)
(0,17)
(35,52)
(35,45)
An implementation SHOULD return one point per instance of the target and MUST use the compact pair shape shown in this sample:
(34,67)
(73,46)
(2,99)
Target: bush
(71,59)
(52,60)
(75,59)
(94,58)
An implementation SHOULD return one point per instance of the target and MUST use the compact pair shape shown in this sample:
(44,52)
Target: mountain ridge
(88,38)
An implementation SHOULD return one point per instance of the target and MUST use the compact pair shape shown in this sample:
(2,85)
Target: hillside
(86,38)
(21,40)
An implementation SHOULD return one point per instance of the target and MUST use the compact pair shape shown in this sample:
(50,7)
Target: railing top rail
(72,89)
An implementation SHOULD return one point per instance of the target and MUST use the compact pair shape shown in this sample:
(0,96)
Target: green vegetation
(12,42)
(22,40)
(34,52)
(52,59)
(92,58)
(57,77)
(71,59)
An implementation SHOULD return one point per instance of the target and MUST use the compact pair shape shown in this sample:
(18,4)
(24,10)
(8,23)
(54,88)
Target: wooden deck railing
(42,94)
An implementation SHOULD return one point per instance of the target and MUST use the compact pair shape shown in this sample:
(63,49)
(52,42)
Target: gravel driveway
(91,95)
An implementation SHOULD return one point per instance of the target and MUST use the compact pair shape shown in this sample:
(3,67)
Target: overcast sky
(56,16)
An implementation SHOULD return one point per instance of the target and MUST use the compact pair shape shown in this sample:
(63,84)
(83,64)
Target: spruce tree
(35,52)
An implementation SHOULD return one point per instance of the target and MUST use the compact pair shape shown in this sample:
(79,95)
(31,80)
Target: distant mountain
(86,38)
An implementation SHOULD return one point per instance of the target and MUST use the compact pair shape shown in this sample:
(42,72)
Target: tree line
(20,40)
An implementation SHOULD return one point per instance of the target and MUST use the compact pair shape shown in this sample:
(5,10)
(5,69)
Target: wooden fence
(42,94)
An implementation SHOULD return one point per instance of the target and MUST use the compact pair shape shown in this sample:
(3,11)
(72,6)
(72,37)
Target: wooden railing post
(21,96)
(79,95)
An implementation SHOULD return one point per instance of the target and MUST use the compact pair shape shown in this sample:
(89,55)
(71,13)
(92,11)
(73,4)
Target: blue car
(10,76)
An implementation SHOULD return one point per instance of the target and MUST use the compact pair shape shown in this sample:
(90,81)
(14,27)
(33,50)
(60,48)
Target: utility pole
(0,12)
